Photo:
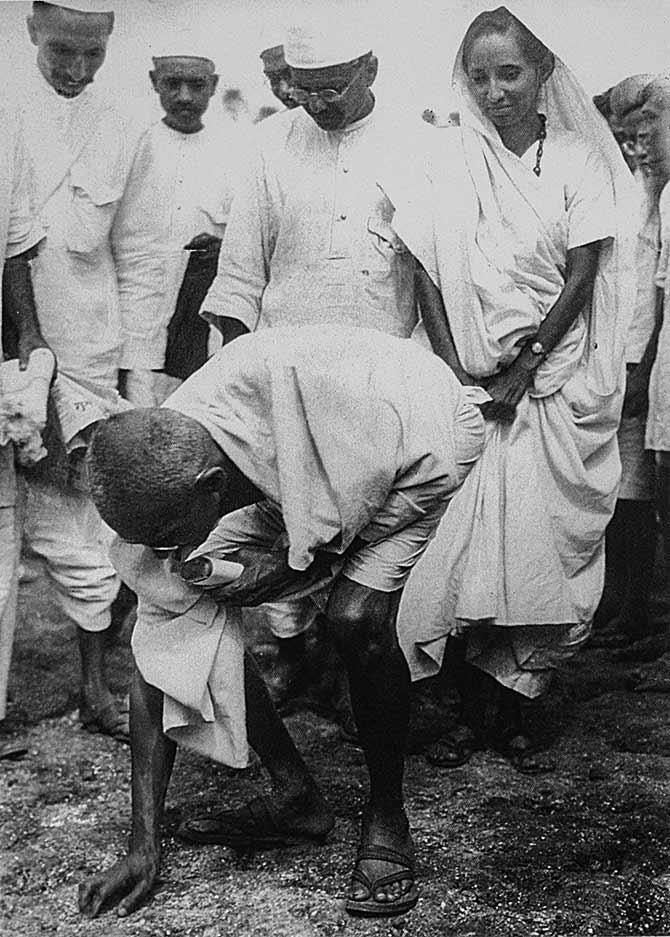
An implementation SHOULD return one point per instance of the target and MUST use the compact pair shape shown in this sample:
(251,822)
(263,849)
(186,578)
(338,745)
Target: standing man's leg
(67,531)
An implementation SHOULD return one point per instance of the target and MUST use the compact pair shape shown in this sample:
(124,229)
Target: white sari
(518,559)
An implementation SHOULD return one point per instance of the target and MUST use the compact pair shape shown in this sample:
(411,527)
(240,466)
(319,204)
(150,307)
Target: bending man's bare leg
(363,628)
(297,807)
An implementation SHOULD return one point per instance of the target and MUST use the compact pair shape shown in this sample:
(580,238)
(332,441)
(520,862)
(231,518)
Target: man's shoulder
(277,131)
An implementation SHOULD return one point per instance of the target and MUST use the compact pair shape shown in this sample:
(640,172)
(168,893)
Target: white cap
(182,43)
(312,45)
(86,6)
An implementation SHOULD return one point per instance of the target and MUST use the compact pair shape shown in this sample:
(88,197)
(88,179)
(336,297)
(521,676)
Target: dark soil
(583,851)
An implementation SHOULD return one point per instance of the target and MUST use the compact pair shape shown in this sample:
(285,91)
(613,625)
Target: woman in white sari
(517,220)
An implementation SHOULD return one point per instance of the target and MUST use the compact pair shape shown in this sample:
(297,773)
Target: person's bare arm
(130,880)
(508,387)
(436,323)
(20,308)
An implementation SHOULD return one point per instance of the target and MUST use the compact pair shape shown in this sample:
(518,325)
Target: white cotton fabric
(309,239)
(191,649)
(285,406)
(325,42)
(180,185)
(647,252)
(80,158)
(87,6)
(522,541)
(658,419)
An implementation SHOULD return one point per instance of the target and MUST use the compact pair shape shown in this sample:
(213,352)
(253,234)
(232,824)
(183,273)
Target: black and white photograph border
(579,844)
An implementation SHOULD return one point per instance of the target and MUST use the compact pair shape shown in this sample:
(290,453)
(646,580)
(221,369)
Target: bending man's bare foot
(285,819)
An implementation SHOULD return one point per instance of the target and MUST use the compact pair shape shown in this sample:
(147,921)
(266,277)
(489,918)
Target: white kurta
(180,185)
(80,159)
(658,419)
(309,239)
(18,233)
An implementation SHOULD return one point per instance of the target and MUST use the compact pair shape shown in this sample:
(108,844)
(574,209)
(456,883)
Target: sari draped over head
(521,543)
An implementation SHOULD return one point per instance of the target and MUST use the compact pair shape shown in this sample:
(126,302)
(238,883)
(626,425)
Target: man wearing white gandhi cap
(309,242)
(78,149)
(168,229)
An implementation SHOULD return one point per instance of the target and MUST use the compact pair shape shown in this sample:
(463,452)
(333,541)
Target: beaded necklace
(541,137)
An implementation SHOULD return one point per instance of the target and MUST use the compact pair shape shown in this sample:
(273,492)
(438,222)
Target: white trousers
(67,532)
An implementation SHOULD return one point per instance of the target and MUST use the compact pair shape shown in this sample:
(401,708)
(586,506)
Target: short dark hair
(603,103)
(142,466)
(499,22)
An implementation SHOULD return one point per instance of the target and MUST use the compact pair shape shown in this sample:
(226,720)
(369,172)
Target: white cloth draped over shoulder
(521,542)
(349,432)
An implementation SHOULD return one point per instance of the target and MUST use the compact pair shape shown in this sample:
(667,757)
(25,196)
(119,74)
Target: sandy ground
(584,851)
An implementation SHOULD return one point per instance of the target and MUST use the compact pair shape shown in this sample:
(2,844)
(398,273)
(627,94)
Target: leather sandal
(368,906)
(454,748)
(253,826)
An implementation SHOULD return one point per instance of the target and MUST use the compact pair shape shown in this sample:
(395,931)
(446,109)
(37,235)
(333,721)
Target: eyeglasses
(163,553)
(325,96)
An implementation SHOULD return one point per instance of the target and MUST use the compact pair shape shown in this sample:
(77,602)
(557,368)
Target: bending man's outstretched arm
(129,881)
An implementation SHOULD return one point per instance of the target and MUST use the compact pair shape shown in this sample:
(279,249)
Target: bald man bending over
(321,459)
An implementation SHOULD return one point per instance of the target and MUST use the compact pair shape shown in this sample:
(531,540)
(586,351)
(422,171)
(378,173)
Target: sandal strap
(385,854)
(405,874)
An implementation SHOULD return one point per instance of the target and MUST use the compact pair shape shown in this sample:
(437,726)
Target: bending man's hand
(267,576)
(127,884)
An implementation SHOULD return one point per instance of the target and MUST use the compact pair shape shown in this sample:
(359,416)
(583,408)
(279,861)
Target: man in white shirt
(309,239)
(168,230)
(78,149)
(19,235)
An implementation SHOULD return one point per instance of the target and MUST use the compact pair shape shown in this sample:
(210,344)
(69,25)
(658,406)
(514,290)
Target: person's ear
(154,81)
(371,70)
(213,84)
(211,479)
(32,29)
